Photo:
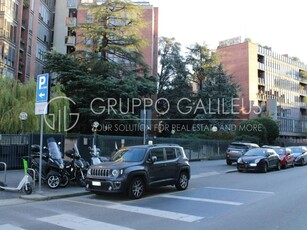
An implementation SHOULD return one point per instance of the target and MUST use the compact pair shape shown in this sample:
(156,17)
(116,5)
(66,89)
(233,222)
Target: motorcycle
(77,167)
(53,172)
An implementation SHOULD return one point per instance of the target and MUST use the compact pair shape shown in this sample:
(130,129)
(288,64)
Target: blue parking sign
(42,88)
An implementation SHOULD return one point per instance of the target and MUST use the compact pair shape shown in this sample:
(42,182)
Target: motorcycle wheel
(64,181)
(27,189)
(53,181)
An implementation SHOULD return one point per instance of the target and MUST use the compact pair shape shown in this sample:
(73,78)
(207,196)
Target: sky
(279,24)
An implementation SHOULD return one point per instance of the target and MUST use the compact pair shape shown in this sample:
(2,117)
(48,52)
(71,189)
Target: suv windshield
(129,155)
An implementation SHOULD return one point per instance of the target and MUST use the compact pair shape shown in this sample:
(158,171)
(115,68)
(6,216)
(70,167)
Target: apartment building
(29,28)
(70,12)
(25,34)
(274,82)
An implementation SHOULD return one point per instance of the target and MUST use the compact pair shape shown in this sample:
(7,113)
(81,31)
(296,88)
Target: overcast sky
(280,24)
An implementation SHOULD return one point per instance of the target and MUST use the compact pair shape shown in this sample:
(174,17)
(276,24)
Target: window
(159,153)
(170,153)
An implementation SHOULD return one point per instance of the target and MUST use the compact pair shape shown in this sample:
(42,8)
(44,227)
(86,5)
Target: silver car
(236,149)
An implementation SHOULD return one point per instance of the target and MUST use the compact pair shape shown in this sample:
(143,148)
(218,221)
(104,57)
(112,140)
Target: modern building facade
(71,12)
(273,82)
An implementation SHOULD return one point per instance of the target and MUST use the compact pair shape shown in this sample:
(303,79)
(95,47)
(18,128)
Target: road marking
(206,174)
(80,223)
(203,200)
(157,213)
(10,227)
(241,190)
(145,211)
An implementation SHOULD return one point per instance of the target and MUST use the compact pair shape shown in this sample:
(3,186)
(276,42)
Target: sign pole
(41,155)
(41,108)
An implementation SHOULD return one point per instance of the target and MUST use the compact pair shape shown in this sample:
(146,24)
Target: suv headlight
(239,160)
(89,171)
(115,173)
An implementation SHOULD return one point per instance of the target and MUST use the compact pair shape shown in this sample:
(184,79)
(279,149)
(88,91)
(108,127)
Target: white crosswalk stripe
(80,223)
(10,227)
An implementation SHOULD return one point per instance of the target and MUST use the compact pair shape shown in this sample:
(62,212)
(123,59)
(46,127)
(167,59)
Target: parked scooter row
(57,172)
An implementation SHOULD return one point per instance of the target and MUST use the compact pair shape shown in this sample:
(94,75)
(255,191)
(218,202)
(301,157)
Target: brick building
(271,81)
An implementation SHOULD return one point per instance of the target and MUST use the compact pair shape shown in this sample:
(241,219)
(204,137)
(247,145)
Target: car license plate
(96,183)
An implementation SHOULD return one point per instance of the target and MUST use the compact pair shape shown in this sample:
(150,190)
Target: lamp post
(23,117)
(95,125)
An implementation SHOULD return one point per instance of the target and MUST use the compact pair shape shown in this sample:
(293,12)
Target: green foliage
(15,98)
(253,128)
(114,34)
(271,126)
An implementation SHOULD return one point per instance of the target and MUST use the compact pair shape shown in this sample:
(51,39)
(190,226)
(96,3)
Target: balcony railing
(71,22)
(70,40)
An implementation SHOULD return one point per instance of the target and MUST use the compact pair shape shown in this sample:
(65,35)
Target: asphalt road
(215,199)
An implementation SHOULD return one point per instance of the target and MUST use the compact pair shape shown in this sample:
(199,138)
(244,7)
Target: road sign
(42,94)
(42,88)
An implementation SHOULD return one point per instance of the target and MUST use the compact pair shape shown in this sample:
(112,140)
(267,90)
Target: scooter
(77,167)
(95,158)
(24,184)
(53,172)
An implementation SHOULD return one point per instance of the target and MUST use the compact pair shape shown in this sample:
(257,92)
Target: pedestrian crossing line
(10,227)
(146,211)
(203,200)
(79,223)
(158,213)
(241,190)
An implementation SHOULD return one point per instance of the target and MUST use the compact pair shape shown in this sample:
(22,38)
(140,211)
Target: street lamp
(23,117)
(95,126)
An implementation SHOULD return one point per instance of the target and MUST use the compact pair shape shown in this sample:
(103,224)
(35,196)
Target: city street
(215,199)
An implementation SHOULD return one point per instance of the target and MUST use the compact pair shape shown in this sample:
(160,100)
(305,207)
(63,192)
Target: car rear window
(238,146)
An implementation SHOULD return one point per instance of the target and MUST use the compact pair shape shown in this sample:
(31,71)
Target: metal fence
(14,147)
(196,149)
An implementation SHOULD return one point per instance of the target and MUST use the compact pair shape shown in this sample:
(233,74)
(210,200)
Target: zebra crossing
(203,200)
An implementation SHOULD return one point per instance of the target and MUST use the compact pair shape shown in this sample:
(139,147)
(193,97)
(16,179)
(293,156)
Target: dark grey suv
(136,168)
(236,149)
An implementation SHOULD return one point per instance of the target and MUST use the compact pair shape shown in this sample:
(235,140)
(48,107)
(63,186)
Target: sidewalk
(13,178)
(198,168)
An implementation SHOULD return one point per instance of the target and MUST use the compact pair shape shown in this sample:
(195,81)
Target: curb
(41,197)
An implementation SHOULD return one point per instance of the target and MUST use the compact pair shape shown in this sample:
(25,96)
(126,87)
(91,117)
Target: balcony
(70,40)
(71,22)
(72,3)
(261,81)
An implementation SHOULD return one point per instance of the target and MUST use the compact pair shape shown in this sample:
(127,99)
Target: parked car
(259,159)
(236,150)
(300,154)
(136,168)
(286,156)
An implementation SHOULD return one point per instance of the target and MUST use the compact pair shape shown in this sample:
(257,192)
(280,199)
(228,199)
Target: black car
(259,159)
(236,150)
(136,168)
(300,154)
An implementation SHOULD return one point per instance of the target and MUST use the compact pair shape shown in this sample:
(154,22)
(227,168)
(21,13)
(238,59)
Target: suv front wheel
(136,188)
(183,181)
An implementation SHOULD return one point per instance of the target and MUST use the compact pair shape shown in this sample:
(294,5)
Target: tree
(201,60)
(113,37)
(254,129)
(271,126)
(16,97)
(215,89)
(108,64)
(174,85)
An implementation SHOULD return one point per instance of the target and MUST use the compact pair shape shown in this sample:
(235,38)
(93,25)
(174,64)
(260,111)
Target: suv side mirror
(154,159)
